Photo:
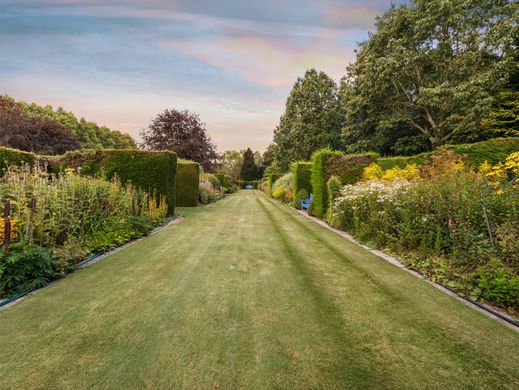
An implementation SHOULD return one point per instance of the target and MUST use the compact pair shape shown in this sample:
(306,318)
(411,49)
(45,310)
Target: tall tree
(430,72)
(230,162)
(312,119)
(183,133)
(248,168)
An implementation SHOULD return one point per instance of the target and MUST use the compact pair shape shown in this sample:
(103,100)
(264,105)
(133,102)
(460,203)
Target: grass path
(246,293)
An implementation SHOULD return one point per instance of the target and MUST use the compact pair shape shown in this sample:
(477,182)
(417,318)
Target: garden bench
(305,203)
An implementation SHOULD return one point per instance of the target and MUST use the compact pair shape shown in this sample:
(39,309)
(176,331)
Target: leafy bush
(301,195)
(272,179)
(26,267)
(187,182)
(282,188)
(154,172)
(437,224)
(301,178)
(10,157)
(334,187)
(209,189)
(348,168)
(318,178)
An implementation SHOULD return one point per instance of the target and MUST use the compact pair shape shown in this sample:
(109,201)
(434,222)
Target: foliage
(230,162)
(248,169)
(152,171)
(312,119)
(210,189)
(429,74)
(437,222)
(375,172)
(493,151)
(282,188)
(187,181)
(271,180)
(301,178)
(26,267)
(39,134)
(72,215)
(334,187)
(348,168)
(302,194)
(10,157)
(181,132)
(89,134)
(318,178)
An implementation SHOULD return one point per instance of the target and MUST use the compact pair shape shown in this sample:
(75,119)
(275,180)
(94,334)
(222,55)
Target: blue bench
(305,203)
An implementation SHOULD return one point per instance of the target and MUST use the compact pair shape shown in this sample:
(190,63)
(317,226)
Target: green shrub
(26,267)
(301,177)
(301,195)
(402,161)
(17,157)
(348,168)
(282,188)
(318,179)
(493,151)
(334,187)
(187,183)
(154,172)
(272,179)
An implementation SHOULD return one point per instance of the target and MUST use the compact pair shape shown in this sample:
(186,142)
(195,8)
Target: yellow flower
(373,172)
(69,171)
(2,230)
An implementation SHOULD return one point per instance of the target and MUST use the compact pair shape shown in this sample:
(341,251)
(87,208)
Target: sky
(121,62)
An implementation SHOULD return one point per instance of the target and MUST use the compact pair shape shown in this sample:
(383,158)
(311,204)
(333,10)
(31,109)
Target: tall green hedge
(402,161)
(301,176)
(152,171)
(10,157)
(318,179)
(494,150)
(187,183)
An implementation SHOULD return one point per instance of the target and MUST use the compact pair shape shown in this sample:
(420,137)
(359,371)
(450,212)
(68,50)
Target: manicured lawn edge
(8,302)
(494,313)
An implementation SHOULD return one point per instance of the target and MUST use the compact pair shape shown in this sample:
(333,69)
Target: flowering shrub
(71,215)
(210,188)
(375,172)
(438,225)
(282,188)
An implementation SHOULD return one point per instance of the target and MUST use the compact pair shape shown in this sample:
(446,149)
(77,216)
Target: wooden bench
(305,203)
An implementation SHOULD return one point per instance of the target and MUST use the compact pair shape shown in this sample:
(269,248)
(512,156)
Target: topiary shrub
(152,171)
(17,157)
(301,177)
(334,187)
(187,183)
(348,168)
(318,180)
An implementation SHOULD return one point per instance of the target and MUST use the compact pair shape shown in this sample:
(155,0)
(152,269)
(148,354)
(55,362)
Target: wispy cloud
(121,62)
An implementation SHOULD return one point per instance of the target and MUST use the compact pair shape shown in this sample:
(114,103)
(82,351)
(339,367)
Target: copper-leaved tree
(181,132)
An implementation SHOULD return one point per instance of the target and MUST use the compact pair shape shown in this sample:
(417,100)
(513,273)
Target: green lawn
(246,293)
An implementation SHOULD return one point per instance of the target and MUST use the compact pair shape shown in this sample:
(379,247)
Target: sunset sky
(120,62)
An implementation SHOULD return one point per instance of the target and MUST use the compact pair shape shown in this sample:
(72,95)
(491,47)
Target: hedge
(187,183)
(348,168)
(494,150)
(301,176)
(154,172)
(318,180)
(10,157)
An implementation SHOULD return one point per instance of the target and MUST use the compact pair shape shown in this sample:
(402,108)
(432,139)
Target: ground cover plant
(453,224)
(59,219)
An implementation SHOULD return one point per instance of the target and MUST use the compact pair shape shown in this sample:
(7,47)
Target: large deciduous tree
(430,73)
(183,133)
(230,162)
(312,119)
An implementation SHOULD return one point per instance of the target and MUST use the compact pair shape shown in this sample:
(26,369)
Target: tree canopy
(183,133)
(248,169)
(312,119)
(429,74)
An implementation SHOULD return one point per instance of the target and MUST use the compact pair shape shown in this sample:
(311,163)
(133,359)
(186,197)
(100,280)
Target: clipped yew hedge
(318,180)
(301,176)
(493,151)
(10,157)
(187,183)
(152,171)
